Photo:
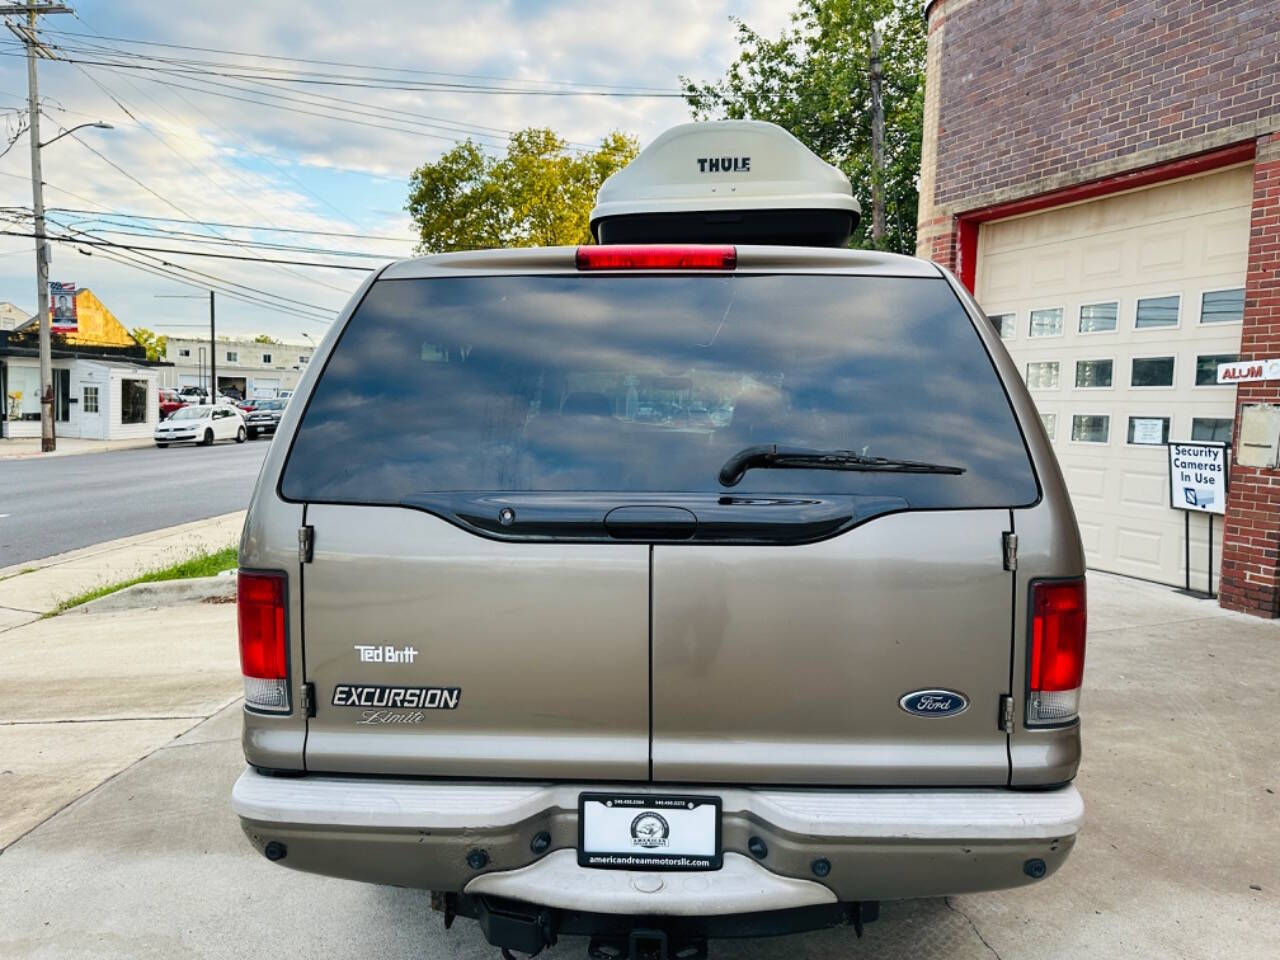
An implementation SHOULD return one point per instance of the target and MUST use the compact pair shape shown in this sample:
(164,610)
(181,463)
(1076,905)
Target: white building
(243,364)
(12,317)
(94,398)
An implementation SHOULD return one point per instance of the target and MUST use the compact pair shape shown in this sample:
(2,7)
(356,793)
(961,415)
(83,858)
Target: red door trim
(967,222)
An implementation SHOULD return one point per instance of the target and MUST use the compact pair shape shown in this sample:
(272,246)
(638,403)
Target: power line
(119,103)
(187,236)
(184,272)
(337,63)
(340,80)
(237,226)
(196,253)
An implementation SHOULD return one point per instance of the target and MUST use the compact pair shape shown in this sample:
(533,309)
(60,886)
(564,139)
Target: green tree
(814,80)
(264,338)
(155,343)
(538,194)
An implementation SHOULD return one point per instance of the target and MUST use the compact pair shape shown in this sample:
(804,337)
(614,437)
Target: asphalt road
(64,503)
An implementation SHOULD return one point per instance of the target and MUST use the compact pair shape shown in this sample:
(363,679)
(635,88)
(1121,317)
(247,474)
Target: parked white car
(202,425)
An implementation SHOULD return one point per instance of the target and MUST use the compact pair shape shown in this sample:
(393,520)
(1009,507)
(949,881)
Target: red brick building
(1105,176)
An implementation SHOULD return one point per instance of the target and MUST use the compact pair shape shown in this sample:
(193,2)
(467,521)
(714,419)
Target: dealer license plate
(628,831)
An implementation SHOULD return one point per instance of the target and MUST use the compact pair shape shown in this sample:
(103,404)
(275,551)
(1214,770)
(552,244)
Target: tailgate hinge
(1010,550)
(306,543)
(1006,713)
(307,694)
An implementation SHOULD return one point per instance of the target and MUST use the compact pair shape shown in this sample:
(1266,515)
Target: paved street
(1179,856)
(63,503)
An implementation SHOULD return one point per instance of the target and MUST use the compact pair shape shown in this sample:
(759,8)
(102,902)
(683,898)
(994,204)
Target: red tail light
(658,256)
(1057,651)
(264,657)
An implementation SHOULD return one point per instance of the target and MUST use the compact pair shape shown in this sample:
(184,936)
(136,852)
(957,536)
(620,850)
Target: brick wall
(1034,96)
(1251,546)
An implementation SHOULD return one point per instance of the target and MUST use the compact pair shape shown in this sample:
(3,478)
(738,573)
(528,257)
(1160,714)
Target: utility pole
(213,355)
(34,48)
(877,143)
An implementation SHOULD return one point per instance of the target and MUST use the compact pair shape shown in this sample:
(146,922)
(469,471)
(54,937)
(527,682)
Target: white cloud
(231,161)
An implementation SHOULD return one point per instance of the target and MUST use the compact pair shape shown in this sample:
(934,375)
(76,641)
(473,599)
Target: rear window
(649,383)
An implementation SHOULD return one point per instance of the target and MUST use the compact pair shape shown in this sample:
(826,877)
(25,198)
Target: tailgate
(453,655)
(789,664)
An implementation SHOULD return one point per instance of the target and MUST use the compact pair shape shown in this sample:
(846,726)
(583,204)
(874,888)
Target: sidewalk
(107,855)
(30,589)
(25,448)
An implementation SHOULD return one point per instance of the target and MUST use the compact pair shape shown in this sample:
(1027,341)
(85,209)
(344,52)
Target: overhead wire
(131,114)
(338,63)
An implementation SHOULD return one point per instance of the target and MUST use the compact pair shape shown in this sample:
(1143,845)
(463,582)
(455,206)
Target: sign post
(1198,484)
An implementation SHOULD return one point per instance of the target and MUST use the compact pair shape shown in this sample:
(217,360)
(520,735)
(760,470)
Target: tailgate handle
(644,522)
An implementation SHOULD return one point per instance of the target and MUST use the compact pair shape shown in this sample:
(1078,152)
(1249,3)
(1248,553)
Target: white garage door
(1117,311)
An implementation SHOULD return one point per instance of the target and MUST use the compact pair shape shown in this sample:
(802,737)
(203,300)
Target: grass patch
(20,573)
(201,565)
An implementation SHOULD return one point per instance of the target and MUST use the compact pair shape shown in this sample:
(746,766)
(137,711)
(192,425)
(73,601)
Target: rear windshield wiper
(773,456)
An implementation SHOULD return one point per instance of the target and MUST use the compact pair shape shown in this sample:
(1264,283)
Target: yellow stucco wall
(98,325)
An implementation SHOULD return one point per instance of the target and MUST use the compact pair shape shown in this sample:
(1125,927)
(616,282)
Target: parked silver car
(691,591)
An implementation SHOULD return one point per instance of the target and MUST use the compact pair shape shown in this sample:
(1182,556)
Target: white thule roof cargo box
(741,181)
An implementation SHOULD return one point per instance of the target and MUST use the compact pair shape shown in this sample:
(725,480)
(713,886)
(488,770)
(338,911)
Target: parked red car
(169,402)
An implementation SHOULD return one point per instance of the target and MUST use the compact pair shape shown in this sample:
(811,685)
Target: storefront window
(133,401)
(22,393)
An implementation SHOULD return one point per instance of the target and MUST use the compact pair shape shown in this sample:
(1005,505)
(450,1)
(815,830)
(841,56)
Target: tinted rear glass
(649,383)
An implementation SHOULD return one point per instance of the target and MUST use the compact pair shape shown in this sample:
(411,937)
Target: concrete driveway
(1180,856)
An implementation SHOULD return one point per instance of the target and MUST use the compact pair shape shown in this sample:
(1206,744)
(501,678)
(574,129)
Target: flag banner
(62,308)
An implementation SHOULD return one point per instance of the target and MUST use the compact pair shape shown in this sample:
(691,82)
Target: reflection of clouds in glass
(459,384)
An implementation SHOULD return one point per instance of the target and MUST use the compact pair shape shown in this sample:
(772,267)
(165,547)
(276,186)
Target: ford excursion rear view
(712,580)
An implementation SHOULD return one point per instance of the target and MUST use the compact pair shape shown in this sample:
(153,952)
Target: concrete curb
(67,447)
(164,593)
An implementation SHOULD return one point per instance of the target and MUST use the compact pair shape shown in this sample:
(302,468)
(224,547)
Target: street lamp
(213,338)
(100,125)
(48,441)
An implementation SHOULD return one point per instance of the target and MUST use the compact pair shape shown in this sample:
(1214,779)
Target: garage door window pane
(1050,421)
(1090,429)
(1093,373)
(1004,324)
(1098,317)
(1046,323)
(1042,376)
(1157,312)
(1152,372)
(133,401)
(1149,431)
(1211,428)
(1222,306)
(1207,367)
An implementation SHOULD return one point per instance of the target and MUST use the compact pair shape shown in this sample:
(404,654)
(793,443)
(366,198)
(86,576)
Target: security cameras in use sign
(1198,477)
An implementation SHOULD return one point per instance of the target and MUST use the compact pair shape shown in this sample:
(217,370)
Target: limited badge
(934,703)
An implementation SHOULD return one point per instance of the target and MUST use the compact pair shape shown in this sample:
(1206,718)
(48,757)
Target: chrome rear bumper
(879,843)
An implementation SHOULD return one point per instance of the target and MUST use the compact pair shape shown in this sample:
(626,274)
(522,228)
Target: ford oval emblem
(934,703)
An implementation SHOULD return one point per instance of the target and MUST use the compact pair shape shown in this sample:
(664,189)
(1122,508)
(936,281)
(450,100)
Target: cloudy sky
(216,136)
